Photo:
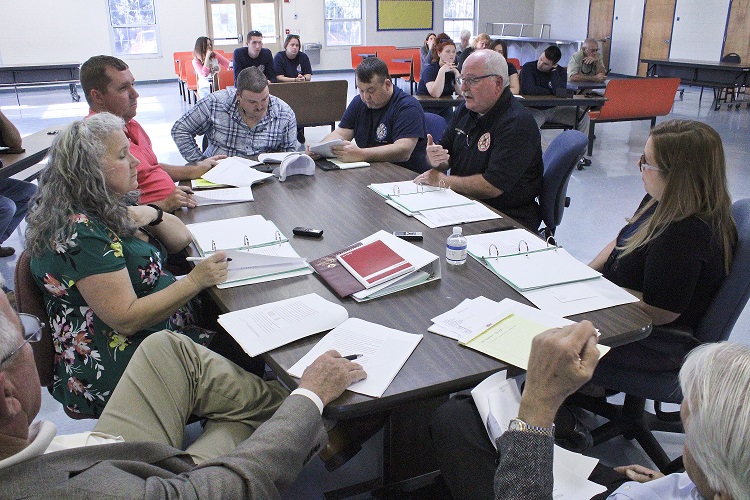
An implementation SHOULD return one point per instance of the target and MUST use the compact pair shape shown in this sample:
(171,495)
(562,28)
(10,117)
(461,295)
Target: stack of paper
(259,251)
(383,351)
(503,330)
(498,401)
(262,328)
(416,265)
(546,275)
(432,206)
(235,171)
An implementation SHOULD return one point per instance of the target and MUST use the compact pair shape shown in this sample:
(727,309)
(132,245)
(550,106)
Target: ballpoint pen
(198,259)
(352,357)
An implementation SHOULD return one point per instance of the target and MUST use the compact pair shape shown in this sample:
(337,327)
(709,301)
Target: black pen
(498,229)
(352,357)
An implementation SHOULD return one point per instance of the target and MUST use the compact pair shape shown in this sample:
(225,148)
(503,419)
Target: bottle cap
(457,230)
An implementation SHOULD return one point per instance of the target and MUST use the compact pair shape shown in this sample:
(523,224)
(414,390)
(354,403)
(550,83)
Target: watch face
(517,425)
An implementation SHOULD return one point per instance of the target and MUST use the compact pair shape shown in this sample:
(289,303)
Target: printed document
(262,328)
(384,351)
(220,196)
(498,401)
(235,171)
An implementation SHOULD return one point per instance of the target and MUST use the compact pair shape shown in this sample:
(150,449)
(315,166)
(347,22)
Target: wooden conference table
(36,145)
(340,203)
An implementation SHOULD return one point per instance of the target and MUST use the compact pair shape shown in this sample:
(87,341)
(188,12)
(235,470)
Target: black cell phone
(307,231)
(409,235)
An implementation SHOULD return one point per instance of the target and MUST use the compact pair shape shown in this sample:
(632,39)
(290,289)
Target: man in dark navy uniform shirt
(254,55)
(386,123)
(492,146)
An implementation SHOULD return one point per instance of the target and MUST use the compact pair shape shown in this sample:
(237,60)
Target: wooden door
(737,39)
(600,25)
(656,37)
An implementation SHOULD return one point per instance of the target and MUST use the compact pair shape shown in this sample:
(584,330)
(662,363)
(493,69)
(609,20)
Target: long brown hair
(201,47)
(691,157)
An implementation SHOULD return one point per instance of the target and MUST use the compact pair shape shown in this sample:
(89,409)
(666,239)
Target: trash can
(313,52)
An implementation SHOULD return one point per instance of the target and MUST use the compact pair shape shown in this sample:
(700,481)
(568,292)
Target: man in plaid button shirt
(242,122)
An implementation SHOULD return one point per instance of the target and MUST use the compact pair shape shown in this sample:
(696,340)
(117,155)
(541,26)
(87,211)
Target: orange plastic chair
(223,79)
(359,50)
(396,69)
(187,75)
(515,62)
(416,66)
(178,57)
(633,99)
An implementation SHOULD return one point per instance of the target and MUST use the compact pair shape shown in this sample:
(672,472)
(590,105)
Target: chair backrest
(187,75)
(417,69)
(396,68)
(638,98)
(182,59)
(515,62)
(224,78)
(720,317)
(560,158)
(30,300)
(732,57)
(436,126)
(314,103)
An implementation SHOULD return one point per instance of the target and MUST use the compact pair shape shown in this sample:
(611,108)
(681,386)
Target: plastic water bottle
(455,249)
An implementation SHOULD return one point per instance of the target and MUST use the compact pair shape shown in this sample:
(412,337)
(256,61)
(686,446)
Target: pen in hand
(352,357)
(199,259)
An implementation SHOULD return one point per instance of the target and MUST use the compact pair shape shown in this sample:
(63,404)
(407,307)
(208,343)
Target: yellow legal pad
(509,340)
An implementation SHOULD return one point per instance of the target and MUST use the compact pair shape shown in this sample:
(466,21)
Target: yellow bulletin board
(404,15)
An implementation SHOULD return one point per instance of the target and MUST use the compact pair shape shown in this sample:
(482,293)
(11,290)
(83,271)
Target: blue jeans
(14,200)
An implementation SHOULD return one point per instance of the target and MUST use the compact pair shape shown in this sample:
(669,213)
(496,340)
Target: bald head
(489,62)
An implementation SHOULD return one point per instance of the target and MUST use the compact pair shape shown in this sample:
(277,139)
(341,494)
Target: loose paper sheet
(384,351)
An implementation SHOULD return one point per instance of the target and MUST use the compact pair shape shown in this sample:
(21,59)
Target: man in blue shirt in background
(254,55)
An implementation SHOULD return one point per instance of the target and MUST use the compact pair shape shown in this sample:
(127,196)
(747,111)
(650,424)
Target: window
(458,15)
(134,29)
(343,20)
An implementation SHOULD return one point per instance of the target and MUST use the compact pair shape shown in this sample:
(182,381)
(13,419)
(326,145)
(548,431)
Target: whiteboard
(698,30)
(626,36)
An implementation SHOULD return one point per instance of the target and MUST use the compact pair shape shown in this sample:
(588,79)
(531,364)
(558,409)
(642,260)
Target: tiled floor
(602,196)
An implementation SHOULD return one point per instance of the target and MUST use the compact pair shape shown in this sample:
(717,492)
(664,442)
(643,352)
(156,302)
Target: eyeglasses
(470,81)
(32,332)
(643,164)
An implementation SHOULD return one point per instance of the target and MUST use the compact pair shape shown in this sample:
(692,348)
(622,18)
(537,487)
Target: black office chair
(631,420)
(436,126)
(559,160)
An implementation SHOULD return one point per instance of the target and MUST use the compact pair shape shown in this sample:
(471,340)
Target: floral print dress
(90,357)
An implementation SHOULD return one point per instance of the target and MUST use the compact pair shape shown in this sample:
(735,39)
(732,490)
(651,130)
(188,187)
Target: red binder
(374,263)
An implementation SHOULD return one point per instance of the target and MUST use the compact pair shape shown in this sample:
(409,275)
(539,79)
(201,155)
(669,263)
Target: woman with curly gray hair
(97,256)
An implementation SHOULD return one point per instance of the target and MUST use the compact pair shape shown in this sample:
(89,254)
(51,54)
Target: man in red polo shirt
(108,86)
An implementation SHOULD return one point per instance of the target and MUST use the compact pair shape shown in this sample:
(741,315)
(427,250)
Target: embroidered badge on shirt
(381,132)
(484,142)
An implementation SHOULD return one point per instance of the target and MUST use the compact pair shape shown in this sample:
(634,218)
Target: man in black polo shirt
(254,55)
(492,146)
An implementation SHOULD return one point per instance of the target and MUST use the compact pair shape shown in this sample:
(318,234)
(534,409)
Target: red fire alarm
(287,31)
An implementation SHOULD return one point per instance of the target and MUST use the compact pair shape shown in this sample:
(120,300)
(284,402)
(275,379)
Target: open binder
(426,268)
(271,255)
(432,206)
(526,262)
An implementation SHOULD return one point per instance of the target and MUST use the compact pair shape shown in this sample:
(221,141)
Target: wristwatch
(519,425)
(159,215)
